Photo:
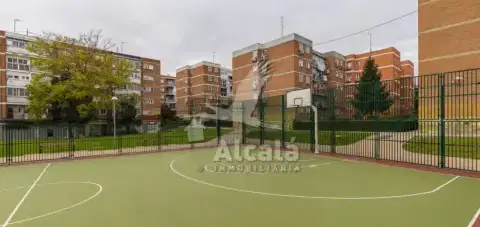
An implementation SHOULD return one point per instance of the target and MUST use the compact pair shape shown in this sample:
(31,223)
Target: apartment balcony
(18,100)
(170,101)
(127,92)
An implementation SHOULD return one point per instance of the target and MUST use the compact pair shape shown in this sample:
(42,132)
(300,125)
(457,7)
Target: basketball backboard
(299,98)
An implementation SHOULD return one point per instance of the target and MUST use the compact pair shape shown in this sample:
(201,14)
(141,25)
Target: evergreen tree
(371,97)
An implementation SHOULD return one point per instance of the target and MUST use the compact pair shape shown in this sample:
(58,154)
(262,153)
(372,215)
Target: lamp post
(15,24)
(114,99)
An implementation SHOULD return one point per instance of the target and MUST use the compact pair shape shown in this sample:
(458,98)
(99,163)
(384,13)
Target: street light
(15,24)
(114,99)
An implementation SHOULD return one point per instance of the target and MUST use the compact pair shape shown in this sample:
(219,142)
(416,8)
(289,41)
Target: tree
(166,113)
(371,97)
(127,111)
(76,77)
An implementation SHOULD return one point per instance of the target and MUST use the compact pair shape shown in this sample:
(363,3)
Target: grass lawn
(464,147)
(303,136)
(174,136)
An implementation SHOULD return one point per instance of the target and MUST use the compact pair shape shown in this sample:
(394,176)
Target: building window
(135,76)
(148,66)
(216,70)
(103,112)
(148,89)
(307,79)
(18,92)
(17,64)
(300,78)
(16,43)
(307,49)
(300,62)
(186,81)
(308,65)
(147,78)
(340,74)
(209,88)
(300,46)
(209,68)
(162,81)
(210,78)
(357,76)
(148,101)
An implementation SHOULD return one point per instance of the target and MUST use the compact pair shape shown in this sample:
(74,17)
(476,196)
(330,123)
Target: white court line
(475,217)
(25,196)
(321,164)
(310,197)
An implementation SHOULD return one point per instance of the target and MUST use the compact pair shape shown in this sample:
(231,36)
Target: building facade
(16,72)
(226,82)
(449,42)
(169,90)
(286,64)
(397,77)
(197,86)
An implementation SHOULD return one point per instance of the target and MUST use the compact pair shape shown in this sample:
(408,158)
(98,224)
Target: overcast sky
(180,32)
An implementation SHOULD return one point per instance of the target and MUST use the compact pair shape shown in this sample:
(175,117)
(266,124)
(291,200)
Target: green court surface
(188,189)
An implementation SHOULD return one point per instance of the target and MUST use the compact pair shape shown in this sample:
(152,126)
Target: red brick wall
(156,93)
(284,64)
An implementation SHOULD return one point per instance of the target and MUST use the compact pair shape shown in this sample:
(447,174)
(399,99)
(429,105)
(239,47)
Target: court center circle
(100,189)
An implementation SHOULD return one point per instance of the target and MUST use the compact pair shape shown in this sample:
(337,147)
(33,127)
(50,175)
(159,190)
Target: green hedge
(381,125)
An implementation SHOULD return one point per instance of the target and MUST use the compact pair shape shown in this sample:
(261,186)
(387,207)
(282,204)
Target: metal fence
(429,120)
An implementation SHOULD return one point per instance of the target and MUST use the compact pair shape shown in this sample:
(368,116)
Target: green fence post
(312,129)
(333,134)
(441,160)
(376,107)
(71,140)
(159,128)
(283,122)
(261,121)
(218,124)
(244,128)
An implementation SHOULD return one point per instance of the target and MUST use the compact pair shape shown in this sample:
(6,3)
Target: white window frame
(209,68)
(300,78)
(308,64)
(210,78)
(215,69)
(148,101)
(307,79)
(300,46)
(16,92)
(300,62)
(102,112)
(307,49)
(148,89)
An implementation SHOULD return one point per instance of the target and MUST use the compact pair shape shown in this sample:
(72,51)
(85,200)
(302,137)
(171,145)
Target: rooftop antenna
(213,56)
(281,25)
(370,36)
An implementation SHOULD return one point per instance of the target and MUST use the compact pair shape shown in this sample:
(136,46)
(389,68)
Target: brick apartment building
(449,41)
(197,85)
(397,77)
(289,59)
(16,72)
